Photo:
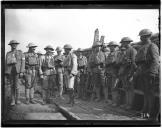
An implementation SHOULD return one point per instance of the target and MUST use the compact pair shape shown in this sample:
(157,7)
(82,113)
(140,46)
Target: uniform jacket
(82,64)
(27,57)
(59,63)
(82,61)
(110,62)
(98,58)
(20,62)
(47,65)
(148,55)
(128,64)
(89,68)
(70,63)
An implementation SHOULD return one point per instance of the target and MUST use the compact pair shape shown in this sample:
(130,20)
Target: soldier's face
(144,38)
(14,46)
(112,48)
(125,44)
(32,49)
(58,52)
(67,51)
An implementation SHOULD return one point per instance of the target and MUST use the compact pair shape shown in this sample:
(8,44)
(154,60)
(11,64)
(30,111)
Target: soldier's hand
(41,76)
(21,75)
(131,79)
(71,75)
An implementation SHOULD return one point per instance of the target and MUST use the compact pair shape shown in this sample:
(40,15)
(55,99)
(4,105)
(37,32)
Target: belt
(44,67)
(30,67)
(59,66)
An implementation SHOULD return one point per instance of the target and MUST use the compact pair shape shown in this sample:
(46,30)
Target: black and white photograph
(81,64)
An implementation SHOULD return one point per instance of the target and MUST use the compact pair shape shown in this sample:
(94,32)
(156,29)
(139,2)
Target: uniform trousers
(149,94)
(13,78)
(30,83)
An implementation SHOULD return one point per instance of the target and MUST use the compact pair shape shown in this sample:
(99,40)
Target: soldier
(105,50)
(15,66)
(82,64)
(127,69)
(70,65)
(31,64)
(39,79)
(59,58)
(97,64)
(90,82)
(147,60)
(47,72)
(111,74)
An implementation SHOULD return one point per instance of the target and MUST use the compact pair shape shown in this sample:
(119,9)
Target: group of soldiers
(96,76)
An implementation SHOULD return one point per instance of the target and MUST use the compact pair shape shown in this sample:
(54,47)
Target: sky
(58,27)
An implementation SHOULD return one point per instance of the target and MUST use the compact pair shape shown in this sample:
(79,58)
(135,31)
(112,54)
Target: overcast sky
(75,26)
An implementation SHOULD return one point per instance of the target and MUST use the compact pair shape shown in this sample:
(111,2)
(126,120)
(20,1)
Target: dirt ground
(83,109)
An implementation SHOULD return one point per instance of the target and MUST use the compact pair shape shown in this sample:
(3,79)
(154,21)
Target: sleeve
(6,66)
(22,70)
(40,65)
(86,62)
(104,59)
(154,52)
(133,55)
(74,65)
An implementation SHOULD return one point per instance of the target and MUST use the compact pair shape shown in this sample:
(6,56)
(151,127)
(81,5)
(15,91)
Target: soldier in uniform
(111,74)
(105,50)
(31,69)
(39,79)
(90,82)
(127,69)
(70,66)
(147,60)
(97,64)
(59,58)
(15,66)
(81,76)
(47,72)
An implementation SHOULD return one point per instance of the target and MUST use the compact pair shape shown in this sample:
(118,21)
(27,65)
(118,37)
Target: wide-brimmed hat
(31,45)
(49,47)
(13,42)
(126,39)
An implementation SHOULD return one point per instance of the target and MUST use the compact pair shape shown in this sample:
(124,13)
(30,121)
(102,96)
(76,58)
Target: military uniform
(81,76)
(15,64)
(111,75)
(70,66)
(47,70)
(126,71)
(59,70)
(97,64)
(39,79)
(90,81)
(148,61)
(31,69)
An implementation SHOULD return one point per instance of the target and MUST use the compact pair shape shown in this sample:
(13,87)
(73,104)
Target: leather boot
(12,97)
(32,101)
(27,101)
(17,96)
(70,94)
(72,97)
(98,95)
